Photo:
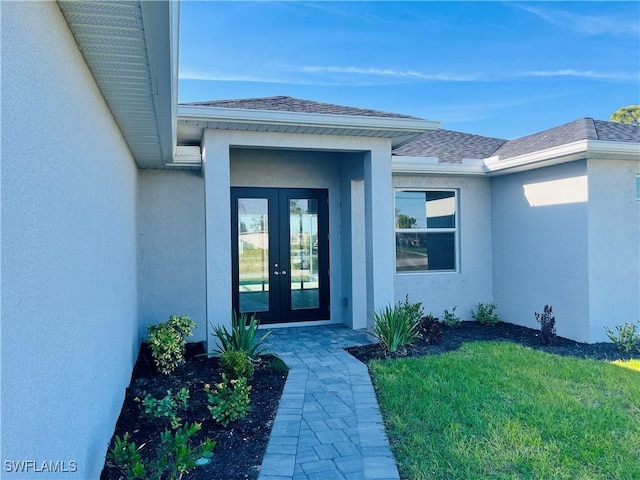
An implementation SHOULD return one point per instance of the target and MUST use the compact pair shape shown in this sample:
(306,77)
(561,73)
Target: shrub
(485,314)
(450,319)
(241,337)
(627,337)
(229,399)
(393,329)
(413,311)
(236,364)
(547,325)
(165,408)
(168,340)
(174,456)
(430,329)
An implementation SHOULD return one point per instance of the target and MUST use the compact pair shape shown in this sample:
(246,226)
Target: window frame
(455,230)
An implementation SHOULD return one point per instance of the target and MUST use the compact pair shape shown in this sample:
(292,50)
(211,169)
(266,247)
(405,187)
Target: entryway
(280,253)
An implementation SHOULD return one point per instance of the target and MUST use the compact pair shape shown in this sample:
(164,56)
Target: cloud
(589,25)
(391,73)
(589,74)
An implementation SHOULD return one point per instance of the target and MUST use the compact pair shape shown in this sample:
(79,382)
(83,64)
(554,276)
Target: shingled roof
(581,129)
(449,146)
(298,105)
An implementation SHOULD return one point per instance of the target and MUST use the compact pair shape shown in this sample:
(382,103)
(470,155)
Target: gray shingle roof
(449,146)
(581,129)
(298,105)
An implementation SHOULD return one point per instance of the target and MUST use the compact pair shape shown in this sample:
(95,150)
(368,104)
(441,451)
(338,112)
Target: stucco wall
(614,245)
(171,248)
(540,247)
(473,282)
(69,276)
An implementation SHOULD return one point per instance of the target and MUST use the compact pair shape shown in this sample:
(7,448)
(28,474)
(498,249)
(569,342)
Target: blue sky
(502,69)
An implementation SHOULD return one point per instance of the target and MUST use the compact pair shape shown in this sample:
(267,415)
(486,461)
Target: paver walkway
(328,425)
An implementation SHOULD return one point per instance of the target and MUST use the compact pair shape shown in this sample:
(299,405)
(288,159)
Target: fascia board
(608,150)
(159,31)
(408,165)
(271,117)
(549,156)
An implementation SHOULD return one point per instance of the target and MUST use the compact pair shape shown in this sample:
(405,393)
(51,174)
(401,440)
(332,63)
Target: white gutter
(431,166)
(273,117)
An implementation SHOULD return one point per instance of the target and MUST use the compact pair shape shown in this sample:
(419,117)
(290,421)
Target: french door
(280,253)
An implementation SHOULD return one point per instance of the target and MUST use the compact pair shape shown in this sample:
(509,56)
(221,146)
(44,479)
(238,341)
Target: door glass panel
(303,243)
(253,254)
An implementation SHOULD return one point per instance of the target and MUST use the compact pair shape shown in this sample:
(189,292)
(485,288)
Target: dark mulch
(452,338)
(240,446)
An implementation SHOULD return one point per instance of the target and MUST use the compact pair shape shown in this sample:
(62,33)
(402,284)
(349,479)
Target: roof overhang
(194,120)
(131,49)
(493,166)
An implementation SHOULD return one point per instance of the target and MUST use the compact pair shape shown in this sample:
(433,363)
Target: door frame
(279,234)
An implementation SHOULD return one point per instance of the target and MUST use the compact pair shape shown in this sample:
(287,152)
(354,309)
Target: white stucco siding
(473,282)
(69,226)
(540,247)
(614,245)
(171,248)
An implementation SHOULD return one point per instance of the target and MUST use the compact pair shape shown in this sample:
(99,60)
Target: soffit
(128,46)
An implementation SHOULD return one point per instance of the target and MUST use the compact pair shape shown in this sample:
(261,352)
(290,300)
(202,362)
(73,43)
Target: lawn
(501,410)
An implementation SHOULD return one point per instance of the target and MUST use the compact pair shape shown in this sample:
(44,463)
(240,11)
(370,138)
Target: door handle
(283,272)
(276,273)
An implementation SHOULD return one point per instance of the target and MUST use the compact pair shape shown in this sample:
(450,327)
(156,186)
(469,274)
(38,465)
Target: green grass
(498,410)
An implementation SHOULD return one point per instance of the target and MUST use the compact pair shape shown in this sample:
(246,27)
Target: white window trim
(455,230)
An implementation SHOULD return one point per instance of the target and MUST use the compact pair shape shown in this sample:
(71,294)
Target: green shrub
(547,325)
(393,329)
(413,311)
(627,337)
(485,314)
(174,457)
(450,319)
(236,364)
(165,408)
(241,337)
(168,340)
(228,400)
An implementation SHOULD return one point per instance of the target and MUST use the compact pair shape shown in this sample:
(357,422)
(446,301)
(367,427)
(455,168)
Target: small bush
(241,337)
(168,340)
(228,400)
(175,455)
(450,319)
(393,329)
(236,364)
(413,311)
(484,314)
(547,325)
(430,329)
(627,337)
(165,408)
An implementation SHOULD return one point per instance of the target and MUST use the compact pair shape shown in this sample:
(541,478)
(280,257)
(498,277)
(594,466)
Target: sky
(501,69)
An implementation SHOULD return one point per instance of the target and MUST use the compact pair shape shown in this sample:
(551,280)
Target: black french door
(280,253)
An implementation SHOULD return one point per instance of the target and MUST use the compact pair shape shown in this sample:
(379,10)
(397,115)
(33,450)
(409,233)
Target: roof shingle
(298,105)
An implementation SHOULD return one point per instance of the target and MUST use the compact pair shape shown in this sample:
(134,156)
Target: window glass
(426,230)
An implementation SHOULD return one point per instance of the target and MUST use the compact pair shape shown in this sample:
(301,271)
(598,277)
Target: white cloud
(391,73)
(589,25)
(590,74)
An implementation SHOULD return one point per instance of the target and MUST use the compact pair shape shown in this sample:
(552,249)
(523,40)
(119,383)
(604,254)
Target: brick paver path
(328,424)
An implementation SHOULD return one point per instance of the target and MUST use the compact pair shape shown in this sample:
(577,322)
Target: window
(426,230)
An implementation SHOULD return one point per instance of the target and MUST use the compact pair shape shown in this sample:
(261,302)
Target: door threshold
(310,323)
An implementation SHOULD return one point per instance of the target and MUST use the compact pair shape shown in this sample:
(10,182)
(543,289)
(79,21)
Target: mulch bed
(470,331)
(239,447)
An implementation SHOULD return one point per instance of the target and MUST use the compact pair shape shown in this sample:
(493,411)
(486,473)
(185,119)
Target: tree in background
(629,114)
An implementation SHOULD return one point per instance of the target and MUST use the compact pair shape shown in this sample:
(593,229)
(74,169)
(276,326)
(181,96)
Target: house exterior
(121,207)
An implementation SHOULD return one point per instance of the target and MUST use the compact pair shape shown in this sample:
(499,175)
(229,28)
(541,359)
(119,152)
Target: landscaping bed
(471,331)
(240,445)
